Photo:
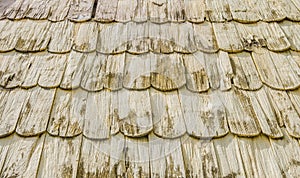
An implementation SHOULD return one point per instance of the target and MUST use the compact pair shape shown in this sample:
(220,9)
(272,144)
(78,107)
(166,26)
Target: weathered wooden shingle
(291,31)
(68,113)
(17,10)
(205,38)
(176,11)
(8,34)
(218,11)
(244,11)
(106,10)
(38,9)
(138,37)
(81,10)
(195,10)
(59,10)
(158,12)
(83,41)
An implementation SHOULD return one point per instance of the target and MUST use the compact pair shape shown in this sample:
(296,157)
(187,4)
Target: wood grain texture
(32,68)
(38,9)
(138,41)
(52,69)
(67,113)
(133,111)
(205,38)
(291,31)
(241,117)
(94,158)
(17,10)
(3,6)
(244,11)
(218,11)
(83,41)
(118,152)
(167,71)
(60,157)
(59,10)
(205,115)
(62,37)
(168,119)
(166,158)
(260,156)
(227,37)
(137,71)
(183,38)
(291,11)
(270,10)
(92,77)
(126,10)
(245,74)
(285,111)
(35,112)
(12,103)
(22,156)
(162,38)
(112,38)
(158,12)
(176,11)
(229,158)
(200,157)
(99,115)
(194,10)
(106,10)
(32,36)
(81,10)
(8,34)
(219,70)
(74,70)
(196,74)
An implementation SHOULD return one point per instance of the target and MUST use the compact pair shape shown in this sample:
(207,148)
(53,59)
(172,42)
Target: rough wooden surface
(59,10)
(243,11)
(85,42)
(38,9)
(81,10)
(218,11)
(195,10)
(158,11)
(291,31)
(106,10)
(205,38)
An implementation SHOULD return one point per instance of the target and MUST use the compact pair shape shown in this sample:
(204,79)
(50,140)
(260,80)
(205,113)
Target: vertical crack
(94,8)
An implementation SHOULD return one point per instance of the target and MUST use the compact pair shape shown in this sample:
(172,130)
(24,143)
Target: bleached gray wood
(285,111)
(52,69)
(59,10)
(296,3)
(204,114)
(183,38)
(218,11)
(270,10)
(22,159)
(265,113)
(241,117)
(74,70)
(166,158)
(251,36)
(278,70)
(112,38)
(92,76)
(94,158)
(229,158)
(296,57)
(275,37)
(291,30)
(199,158)
(141,11)
(205,38)
(85,36)
(31,68)
(112,69)
(32,36)
(67,113)
(290,10)
(11,105)
(106,10)
(126,10)
(176,11)
(4,147)
(137,37)
(219,70)
(35,112)
(196,74)
(258,153)
(287,154)
(137,71)
(244,11)
(137,157)
(158,11)
(168,119)
(8,34)
(5,60)
(294,95)
(245,76)
(60,157)
(98,116)
(134,112)
(17,10)
(227,37)
(14,73)
(81,10)
(118,152)
(38,9)
(195,10)
(167,71)
(4,5)
(162,37)
(62,37)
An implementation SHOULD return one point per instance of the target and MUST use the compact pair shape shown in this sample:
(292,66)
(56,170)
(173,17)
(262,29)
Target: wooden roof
(149,88)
